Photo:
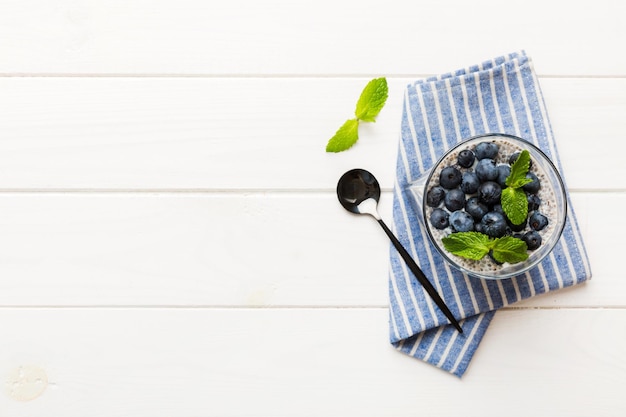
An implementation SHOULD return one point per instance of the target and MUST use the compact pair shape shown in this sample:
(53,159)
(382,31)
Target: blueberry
(469,183)
(475,208)
(518,235)
(450,178)
(538,221)
(462,221)
(517,227)
(533,202)
(466,158)
(454,200)
(532,187)
(494,259)
(486,170)
(439,219)
(503,172)
(497,208)
(490,192)
(478,227)
(532,239)
(487,150)
(434,196)
(514,157)
(493,224)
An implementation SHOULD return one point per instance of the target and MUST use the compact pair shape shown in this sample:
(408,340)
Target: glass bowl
(553,205)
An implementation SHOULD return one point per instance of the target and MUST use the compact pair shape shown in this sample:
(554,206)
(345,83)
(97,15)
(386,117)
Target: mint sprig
(346,136)
(509,249)
(372,100)
(470,245)
(513,198)
(475,245)
(370,103)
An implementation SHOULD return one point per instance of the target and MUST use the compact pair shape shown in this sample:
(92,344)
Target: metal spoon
(359,192)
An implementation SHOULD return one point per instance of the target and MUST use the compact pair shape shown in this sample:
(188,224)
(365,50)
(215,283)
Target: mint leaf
(513,199)
(519,169)
(475,245)
(470,245)
(372,100)
(514,204)
(509,249)
(346,136)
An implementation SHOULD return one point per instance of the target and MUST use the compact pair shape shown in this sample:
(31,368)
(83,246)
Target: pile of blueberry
(468,197)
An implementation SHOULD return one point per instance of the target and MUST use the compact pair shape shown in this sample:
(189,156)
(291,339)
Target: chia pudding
(546,202)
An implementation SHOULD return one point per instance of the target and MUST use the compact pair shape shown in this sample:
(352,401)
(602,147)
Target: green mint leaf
(509,249)
(514,204)
(519,169)
(346,136)
(521,183)
(470,245)
(372,100)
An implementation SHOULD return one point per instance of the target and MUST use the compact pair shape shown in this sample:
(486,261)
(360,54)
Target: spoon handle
(421,277)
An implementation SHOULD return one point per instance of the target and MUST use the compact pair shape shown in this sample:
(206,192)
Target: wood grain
(243,134)
(308,37)
(170,242)
(259,249)
(306,362)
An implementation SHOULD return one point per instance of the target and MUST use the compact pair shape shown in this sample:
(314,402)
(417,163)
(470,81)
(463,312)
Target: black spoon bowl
(358,192)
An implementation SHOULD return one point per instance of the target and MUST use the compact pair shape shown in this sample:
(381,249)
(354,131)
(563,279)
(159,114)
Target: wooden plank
(228,249)
(304,362)
(311,37)
(585,120)
(225,134)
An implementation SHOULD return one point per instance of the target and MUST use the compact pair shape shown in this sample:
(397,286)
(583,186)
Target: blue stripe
(424,344)
(448,118)
(537,281)
(469,353)
(405,292)
(421,248)
(394,310)
(548,268)
(558,251)
(487,65)
(462,339)
(420,131)
(464,292)
(472,100)
(436,135)
(407,344)
(479,293)
(402,234)
(579,255)
(410,150)
(523,285)
(500,60)
(532,99)
(494,292)
(503,103)
(509,292)
(457,95)
(488,103)
(444,338)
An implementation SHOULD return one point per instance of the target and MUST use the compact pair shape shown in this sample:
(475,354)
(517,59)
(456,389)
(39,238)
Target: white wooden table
(170,240)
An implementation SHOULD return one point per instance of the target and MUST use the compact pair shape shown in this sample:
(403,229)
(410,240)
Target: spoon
(359,192)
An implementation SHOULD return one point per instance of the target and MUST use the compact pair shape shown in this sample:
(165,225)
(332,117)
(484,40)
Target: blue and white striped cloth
(502,96)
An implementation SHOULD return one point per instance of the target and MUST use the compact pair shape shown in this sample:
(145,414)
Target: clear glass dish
(553,205)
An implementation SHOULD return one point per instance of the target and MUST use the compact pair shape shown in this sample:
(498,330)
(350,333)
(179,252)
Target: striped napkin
(498,96)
